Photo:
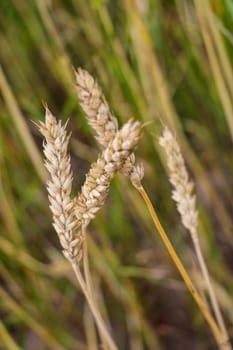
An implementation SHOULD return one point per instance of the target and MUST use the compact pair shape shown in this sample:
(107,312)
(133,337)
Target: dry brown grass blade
(220,48)
(61,62)
(157,93)
(23,257)
(21,126)
(7,211)
(220,68)
(6,339)
(31,322)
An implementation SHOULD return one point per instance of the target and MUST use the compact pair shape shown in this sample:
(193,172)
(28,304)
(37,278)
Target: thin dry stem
(90,329)
(95,311)
(88,279)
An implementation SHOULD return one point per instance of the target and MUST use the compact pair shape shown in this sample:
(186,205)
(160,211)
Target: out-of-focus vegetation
(160,61)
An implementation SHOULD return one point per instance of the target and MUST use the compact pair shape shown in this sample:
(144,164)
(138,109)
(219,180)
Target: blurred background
(161,62)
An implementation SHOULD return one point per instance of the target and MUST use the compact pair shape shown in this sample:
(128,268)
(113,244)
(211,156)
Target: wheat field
(160,65)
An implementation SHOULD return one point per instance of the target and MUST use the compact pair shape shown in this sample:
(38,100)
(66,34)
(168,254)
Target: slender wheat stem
(185,200)
(88,279)
(95,311)
(220,338)
(90,329)
(213,298)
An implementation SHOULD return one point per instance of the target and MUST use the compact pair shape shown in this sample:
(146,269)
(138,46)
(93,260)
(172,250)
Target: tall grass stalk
(39,329)
(20,124)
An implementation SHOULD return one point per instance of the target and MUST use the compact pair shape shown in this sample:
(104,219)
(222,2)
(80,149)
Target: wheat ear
(96,107)
(99,116)
(96,186)
(186,204)
(57,161)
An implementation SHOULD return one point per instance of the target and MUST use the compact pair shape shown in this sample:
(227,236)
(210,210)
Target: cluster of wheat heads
(72,215)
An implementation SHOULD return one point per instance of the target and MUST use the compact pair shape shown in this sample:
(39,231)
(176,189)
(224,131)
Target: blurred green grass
(166,61)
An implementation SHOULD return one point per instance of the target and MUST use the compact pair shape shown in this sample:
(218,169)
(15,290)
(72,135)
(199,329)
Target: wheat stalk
(67,225)
(99,117)
(186,204)
(104,123)
(71,216)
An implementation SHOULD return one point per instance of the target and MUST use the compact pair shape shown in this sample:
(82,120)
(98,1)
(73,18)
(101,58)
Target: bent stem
(220,339)
(98,318)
